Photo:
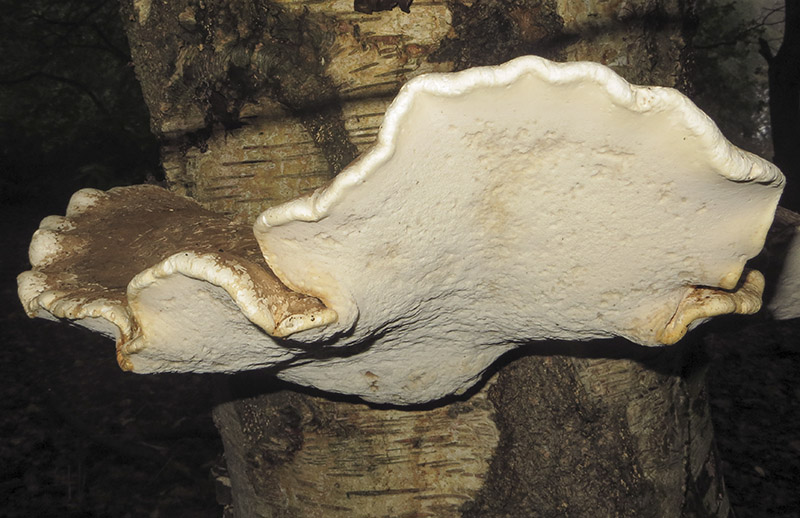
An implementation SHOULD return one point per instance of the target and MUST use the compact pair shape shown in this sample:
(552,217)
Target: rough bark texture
(257,101)
(300,455)
(584,435)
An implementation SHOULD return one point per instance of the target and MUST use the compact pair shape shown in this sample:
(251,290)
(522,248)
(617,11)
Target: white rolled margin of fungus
(499,206)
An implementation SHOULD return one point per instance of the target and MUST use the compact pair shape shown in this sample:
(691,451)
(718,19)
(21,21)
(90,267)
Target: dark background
(78,437)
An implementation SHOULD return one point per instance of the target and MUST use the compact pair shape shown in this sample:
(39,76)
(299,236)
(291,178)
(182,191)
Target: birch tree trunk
(257,101)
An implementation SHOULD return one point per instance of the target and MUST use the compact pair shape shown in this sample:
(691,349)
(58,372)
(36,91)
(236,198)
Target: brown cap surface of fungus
(169,275)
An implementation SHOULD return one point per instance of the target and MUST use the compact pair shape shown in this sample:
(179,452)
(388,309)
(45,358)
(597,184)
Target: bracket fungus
(181,288)
(499,206)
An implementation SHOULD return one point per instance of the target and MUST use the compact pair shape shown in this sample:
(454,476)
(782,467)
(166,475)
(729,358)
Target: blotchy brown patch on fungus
(99,261)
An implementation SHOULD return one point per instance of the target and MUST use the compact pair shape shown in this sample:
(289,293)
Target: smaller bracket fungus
(179,287)
(500,206)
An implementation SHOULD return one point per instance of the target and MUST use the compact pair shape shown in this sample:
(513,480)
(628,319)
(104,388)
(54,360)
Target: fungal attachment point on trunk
(500,206)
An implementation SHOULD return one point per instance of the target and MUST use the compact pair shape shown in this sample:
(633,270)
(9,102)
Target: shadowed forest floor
(80,438)
(754,383)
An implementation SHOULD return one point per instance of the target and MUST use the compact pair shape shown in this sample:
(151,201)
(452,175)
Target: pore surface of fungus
(500,206)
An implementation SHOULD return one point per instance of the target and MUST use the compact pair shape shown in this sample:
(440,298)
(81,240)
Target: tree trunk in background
(258,101)
(784,103)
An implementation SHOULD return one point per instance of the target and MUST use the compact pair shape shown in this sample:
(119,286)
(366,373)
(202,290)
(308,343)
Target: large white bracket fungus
(499,206)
